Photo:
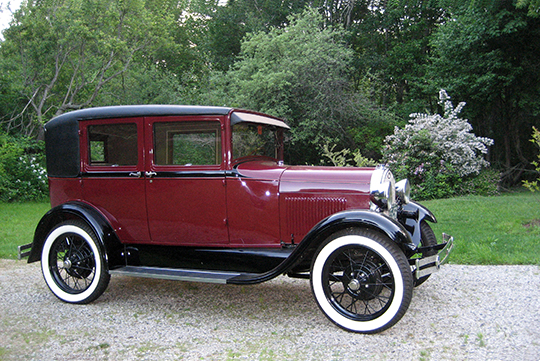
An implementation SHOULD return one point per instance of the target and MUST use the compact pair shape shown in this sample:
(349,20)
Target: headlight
(382,189)
(403,191)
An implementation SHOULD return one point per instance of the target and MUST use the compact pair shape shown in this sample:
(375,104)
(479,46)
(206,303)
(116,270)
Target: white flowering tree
(437,152)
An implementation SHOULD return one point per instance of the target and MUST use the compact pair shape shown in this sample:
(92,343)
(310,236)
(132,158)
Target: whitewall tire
(72,263)
(361,280)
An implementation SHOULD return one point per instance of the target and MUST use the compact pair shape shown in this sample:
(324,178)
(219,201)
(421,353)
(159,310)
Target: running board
(178,274)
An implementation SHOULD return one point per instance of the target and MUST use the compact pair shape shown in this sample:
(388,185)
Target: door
(185,181)
(112,174)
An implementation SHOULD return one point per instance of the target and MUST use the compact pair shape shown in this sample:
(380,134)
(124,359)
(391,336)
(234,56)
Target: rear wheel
(73,265)
(361,281)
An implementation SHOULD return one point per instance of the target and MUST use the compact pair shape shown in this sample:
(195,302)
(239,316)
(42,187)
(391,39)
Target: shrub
(534,185)
(345,158)
(22,172)
(437,153)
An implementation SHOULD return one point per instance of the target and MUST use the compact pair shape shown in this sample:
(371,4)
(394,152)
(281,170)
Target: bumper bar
(428,265)
(22,251)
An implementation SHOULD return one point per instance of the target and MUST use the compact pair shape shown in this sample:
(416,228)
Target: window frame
(89,167)
(214,130)
(150,123)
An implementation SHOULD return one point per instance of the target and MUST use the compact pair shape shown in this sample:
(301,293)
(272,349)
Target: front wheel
(73,265)
(361,281)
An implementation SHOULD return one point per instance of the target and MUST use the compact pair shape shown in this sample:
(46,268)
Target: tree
(533,6)
(59,54)
(299,73)
(222,25)
(489,58)
(391,43)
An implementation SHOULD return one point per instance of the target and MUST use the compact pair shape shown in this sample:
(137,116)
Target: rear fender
(110,245)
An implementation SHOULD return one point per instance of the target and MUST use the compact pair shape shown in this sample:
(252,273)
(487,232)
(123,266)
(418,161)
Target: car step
(178,274)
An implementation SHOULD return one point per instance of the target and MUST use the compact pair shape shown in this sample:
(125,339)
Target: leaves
(535,184)
(64,52)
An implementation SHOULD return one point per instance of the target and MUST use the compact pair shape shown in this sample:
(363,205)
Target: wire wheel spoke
(72,263)
(359,283)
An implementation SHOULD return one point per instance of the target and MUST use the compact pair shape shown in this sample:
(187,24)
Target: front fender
(411,215)
(111,246)
(359,218)
(302,255)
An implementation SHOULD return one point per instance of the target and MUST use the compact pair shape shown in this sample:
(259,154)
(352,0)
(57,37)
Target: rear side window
(113,144)
(187,143)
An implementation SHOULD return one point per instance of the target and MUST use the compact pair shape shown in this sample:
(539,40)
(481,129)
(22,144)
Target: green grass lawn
(502,229)
(17,224)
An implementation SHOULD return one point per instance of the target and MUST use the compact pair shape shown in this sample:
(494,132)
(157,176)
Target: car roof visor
(239,117)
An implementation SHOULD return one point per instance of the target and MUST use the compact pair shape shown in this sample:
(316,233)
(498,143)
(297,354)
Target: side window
(187,143)
(113,144)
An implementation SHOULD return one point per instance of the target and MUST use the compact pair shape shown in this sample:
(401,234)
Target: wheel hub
(363,282)
(78,265)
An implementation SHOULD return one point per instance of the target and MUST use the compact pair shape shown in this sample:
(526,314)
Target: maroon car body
(202,194)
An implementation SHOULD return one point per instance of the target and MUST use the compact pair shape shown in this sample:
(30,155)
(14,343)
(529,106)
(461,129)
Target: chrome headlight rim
(382,189)
(403,191)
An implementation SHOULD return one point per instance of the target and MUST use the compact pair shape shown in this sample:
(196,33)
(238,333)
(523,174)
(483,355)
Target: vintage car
(202,194)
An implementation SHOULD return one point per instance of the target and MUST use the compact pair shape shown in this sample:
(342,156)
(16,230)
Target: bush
(22,170)
(484,184)
(438,154)
(344,157)
(534,185)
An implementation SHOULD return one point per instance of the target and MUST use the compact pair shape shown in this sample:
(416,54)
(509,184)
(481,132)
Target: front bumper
(22,251)
(425,266)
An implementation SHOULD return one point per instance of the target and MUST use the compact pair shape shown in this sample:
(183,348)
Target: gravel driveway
(462,312)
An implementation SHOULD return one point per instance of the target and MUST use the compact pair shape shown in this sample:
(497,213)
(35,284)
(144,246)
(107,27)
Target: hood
(307,179)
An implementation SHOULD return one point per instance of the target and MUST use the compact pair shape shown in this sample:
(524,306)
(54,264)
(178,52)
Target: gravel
(460,313)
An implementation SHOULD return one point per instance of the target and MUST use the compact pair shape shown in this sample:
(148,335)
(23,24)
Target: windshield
(250,139)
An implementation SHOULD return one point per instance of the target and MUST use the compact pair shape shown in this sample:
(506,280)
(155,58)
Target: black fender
(410,215)
(305,250)
(111,246)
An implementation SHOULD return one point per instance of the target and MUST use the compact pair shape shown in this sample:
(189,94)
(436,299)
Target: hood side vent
(305,212)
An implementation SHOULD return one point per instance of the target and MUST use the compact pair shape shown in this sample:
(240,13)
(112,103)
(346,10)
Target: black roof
(62,132)
(126,111)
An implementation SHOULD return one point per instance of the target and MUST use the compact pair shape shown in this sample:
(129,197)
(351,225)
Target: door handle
(135,174)
(150,174)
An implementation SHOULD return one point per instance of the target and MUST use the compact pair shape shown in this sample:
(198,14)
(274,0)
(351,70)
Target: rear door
(112,174)
(185,181)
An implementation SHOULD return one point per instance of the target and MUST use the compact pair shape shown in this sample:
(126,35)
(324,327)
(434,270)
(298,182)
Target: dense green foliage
(343,73)
(534,185)
(22,170)
(489,60)
(60,55)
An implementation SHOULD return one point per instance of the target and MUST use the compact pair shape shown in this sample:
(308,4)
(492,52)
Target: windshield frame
(276,125)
